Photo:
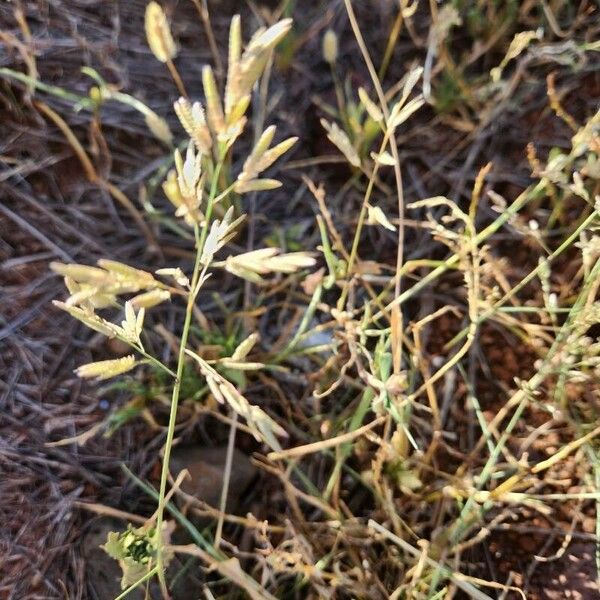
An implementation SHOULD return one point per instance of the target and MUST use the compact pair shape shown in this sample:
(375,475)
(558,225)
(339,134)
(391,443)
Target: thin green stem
(155,361)
(360,225)
(180,365)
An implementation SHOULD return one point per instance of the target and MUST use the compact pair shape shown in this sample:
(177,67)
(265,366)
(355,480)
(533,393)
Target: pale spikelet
(158,33)
(132,325)
(98,285)
(190,180)
(214,110)
(105,369)
(244,347)
(518,44)
(412,79)
(238,360)
(193,121)
(400,113)
(232,94)
(377,217)
(256,185)
(291,262)
(133,276)
(342,142)
(262,426)
(189,171)
(252,265)
(85,295)
(150,299)
(80,273)
(220,233)
(371,107)
(89,318)
(89,297)
(190,214)
(231,133)
(238,110)
(177,274)
(330,46)
(159,127)
(171,189)
(253,60)
(261,158)
(384,158)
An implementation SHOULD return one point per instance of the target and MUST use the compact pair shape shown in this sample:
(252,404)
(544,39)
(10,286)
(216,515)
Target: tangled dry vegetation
(354,241)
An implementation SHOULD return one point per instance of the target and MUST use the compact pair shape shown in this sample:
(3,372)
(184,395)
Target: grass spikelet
(106,369)
(377,217)
(158,33)
(372,108)
(342,142)
(193,121)
(232,93)
(261,158)
(214,109)
(141,278)
(256,185)
(330,46)
(159,127)
(254,58)
(88,318)
(80,273)
(262,425)
(252,265)
(150,299)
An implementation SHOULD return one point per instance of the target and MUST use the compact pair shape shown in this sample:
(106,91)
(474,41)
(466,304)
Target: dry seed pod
(158,33)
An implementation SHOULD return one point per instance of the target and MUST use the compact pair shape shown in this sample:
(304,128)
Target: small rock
(207,468)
